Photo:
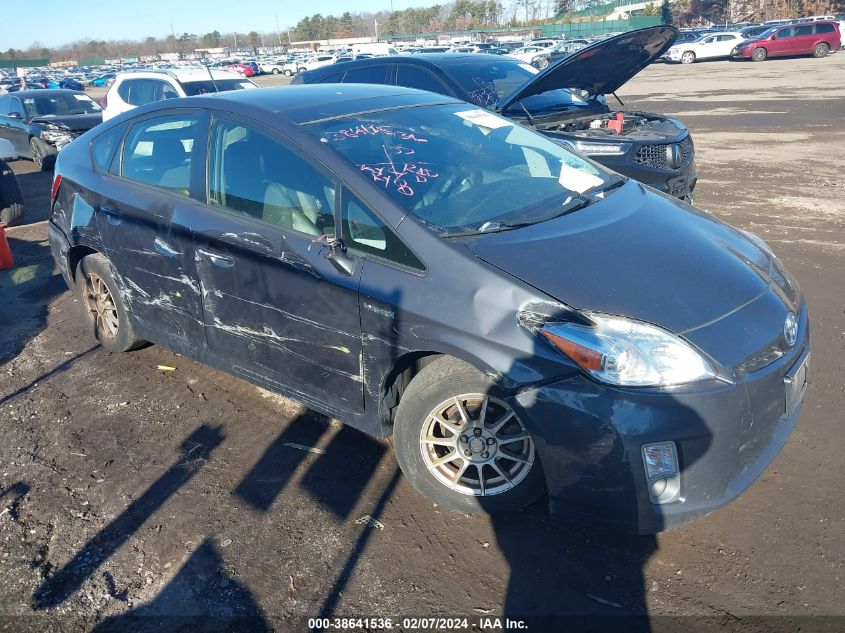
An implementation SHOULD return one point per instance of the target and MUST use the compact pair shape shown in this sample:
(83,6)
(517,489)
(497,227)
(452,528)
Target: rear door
(143,210)
(276,308)
(708,47)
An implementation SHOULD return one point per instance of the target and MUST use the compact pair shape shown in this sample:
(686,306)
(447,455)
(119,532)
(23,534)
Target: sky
(58,22)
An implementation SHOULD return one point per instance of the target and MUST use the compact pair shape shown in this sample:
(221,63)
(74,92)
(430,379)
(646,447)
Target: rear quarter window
(103,147)
(824,28)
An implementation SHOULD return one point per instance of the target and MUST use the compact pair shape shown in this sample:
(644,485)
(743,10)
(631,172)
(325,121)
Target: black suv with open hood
(566,101)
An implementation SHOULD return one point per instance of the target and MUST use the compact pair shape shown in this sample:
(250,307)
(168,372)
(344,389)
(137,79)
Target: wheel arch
(75,255)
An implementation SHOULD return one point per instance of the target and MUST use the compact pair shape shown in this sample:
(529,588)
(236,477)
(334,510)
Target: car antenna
(618,99)
(527,113)
(214,83)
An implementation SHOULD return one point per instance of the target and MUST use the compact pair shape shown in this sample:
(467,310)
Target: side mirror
(340,259)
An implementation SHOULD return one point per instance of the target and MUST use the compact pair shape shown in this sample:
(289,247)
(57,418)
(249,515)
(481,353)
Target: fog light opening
(662,473)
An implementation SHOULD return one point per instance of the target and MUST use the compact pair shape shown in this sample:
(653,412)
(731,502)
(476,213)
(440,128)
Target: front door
(277,309)
(143,212)
(781,43)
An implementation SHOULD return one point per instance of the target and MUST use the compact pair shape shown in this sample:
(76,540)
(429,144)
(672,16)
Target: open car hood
(601,68)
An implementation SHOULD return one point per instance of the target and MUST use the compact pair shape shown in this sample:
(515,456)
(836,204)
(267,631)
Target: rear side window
(421,79)
(804,30)
(824,28)
(103,147)
(140,91)
(368,75)
(365,232)
(158,152)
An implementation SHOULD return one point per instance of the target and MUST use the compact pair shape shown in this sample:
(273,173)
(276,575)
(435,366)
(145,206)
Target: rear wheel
(688,57)
(287,72)
(759,54)
(11,197)
(462,445)
(275,71)
(104,305)
(541,63)
(821,50)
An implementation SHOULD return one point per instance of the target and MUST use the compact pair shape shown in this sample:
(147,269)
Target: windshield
(486,82)
(465,170)
(206,86)
(59,105)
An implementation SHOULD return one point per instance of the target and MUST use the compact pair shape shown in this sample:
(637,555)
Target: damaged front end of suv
(568,102)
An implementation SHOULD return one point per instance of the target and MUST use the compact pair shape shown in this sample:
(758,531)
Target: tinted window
(103,147)
(158,152)
(368,75)
(4,104)
(364,231)
(415,77)
(15,107)
(192,88)
(140,91)
(784,33)
(487,80)
(824,28)
(258,176)
(804,30)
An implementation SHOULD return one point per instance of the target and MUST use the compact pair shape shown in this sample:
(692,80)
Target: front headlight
(55,134)
(596,149)
(626,352)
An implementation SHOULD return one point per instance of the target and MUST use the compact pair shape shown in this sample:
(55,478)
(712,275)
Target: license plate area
(795,382)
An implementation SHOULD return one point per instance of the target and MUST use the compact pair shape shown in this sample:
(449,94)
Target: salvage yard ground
(128,489)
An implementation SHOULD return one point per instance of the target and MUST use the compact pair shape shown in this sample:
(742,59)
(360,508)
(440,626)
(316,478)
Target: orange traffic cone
(6,259)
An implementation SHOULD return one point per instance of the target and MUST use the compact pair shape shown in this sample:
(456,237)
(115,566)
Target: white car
(528,53)
(711,46)
(134,89)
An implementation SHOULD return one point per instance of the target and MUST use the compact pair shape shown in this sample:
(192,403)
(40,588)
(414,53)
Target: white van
(376,49)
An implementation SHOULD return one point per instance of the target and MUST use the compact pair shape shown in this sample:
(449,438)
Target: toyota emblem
(790,329)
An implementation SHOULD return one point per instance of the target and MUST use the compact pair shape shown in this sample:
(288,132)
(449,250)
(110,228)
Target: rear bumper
(589,438)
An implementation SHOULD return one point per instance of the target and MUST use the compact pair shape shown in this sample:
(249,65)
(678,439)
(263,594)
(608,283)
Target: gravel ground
(127,491)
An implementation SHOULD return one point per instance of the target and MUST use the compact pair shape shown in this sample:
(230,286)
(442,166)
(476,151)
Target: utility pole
(376,25)
(278,30)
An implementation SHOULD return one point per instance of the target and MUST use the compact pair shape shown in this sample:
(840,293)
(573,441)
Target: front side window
(260,177)
(159,151)
(364,231)
(419,78)
(463,170)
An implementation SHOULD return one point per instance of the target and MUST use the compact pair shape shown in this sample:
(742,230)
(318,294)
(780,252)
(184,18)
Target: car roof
(307,103)
(181,74)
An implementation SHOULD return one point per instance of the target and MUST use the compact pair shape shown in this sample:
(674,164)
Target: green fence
(584,29)
(23,63)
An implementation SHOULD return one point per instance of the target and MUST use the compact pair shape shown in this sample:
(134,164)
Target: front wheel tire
(759,55)
(41,154)
(688,57)
(462,445)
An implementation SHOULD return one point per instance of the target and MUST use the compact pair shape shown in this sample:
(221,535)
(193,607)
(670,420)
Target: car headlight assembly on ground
(629,353)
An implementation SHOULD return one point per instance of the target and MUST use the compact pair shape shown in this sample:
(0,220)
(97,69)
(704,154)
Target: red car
(241,69)
(812,38)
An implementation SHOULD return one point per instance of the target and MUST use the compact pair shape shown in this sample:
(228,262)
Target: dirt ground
(133,498)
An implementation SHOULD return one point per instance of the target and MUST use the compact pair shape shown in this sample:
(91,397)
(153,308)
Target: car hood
(643,255)
(601,68)
(73,122)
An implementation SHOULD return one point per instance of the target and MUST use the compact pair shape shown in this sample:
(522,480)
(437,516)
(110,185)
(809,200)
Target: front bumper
(589,438)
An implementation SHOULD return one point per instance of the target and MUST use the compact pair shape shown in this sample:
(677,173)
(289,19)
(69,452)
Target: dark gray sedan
(520,320)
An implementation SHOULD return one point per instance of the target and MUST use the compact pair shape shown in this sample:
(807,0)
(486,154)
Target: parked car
(11,196)
(318,61)
(713,46)
(815,38)
(750,32)
(40,123)
(527,53)
(241,69)
(66,83)
(519,319)
(558,52)
(566,102)
(102,80)
(134,89)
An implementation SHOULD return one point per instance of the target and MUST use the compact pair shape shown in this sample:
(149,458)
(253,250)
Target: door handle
(223,261)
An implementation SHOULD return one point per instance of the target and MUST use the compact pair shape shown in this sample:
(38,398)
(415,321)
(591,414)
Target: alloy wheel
(688,58)
(100,304)
(37,158)
(476,445)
